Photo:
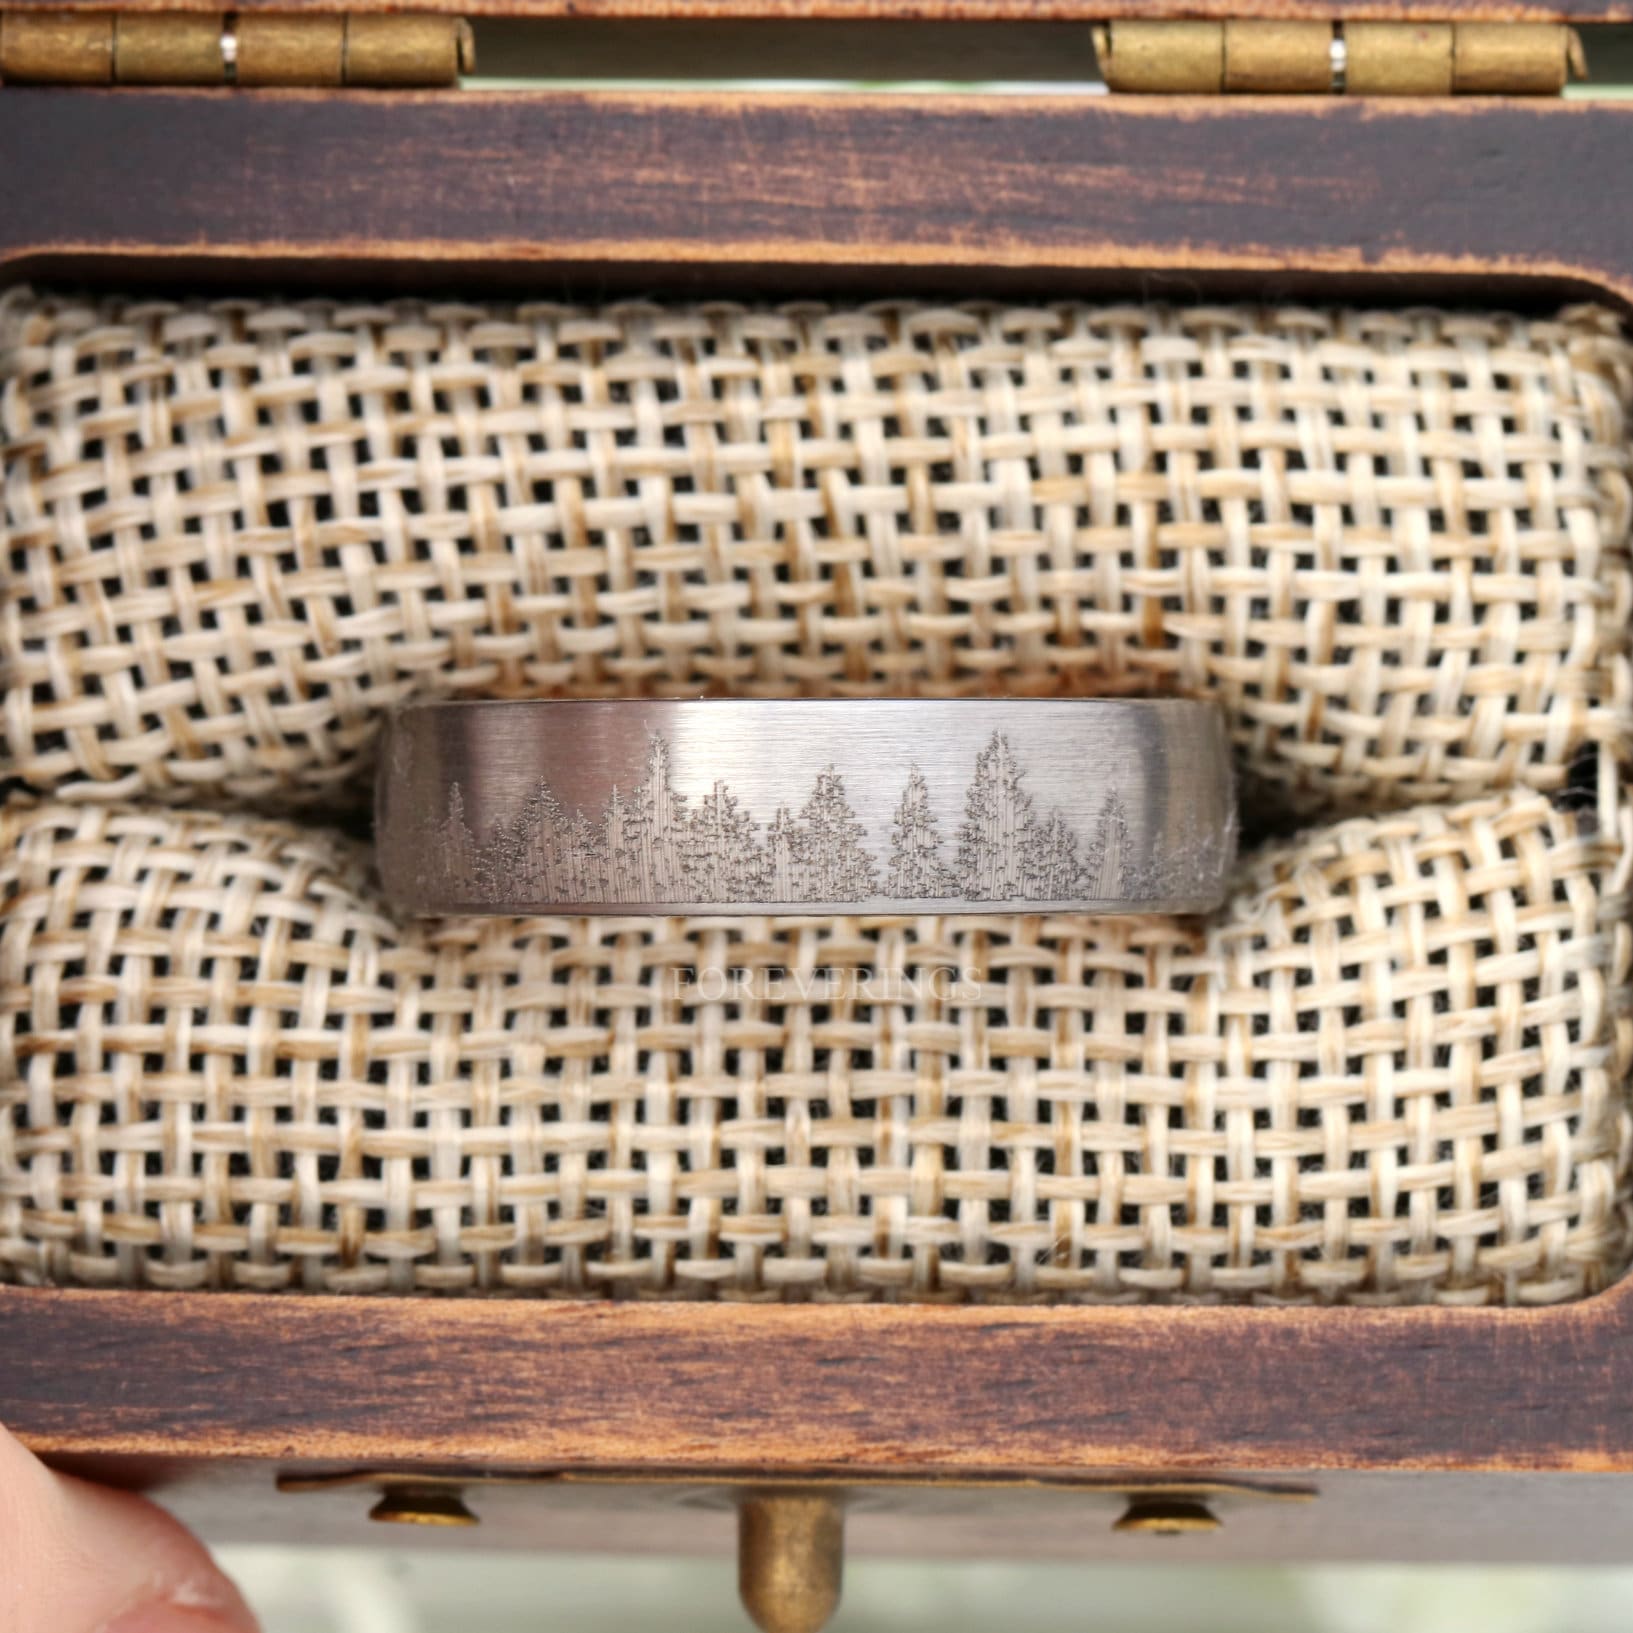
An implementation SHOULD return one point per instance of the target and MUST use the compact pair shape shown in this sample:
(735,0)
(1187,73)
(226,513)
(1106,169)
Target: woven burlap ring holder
(1393,546)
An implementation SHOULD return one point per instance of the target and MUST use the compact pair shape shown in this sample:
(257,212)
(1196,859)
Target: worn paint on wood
(555,192)
(784,193)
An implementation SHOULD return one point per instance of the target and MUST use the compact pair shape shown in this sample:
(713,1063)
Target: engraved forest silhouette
(654,844)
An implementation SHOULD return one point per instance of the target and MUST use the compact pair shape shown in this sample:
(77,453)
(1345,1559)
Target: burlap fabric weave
(1393,1069)
(1393,544)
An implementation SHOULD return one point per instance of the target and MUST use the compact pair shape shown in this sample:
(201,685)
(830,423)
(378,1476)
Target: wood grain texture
(652,190)
(584,193)
(518,1384)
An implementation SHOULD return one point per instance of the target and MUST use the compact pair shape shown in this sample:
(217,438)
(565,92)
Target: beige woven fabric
(1395,544)
(1394,1070)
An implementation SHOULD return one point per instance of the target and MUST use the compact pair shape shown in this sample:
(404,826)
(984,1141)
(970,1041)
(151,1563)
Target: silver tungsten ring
(739,806)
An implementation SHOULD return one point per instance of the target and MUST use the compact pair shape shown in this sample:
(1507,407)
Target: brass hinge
(231,48)
(1325,58)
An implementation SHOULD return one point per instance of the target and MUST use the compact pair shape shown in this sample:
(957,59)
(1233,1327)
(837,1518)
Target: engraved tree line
(653,844)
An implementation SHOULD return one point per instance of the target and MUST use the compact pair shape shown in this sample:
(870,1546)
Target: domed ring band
(735,806)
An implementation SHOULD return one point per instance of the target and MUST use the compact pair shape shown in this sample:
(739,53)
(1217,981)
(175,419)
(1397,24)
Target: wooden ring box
(950,1429)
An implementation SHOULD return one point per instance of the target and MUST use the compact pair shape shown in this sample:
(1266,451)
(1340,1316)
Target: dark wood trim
(565,191)
(522,1384)
(553,192)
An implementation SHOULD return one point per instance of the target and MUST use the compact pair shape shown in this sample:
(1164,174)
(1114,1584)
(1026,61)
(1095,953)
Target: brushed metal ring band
(758,806)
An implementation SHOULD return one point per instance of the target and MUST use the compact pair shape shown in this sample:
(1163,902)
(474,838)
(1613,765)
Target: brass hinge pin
(1399,59)
(56,47)
(1359,59)
(1278,58)
(157,48)
(222,48)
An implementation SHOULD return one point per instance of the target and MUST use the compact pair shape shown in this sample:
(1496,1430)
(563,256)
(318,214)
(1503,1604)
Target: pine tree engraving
(996,835)
(785,858)
(1054,870)
(724,862)
(916,866)
(661,819)
(455,844)
(1106,868)
(837,865)
(537,857)
(583,864)
(507,854)
(620,845)
(656,846)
